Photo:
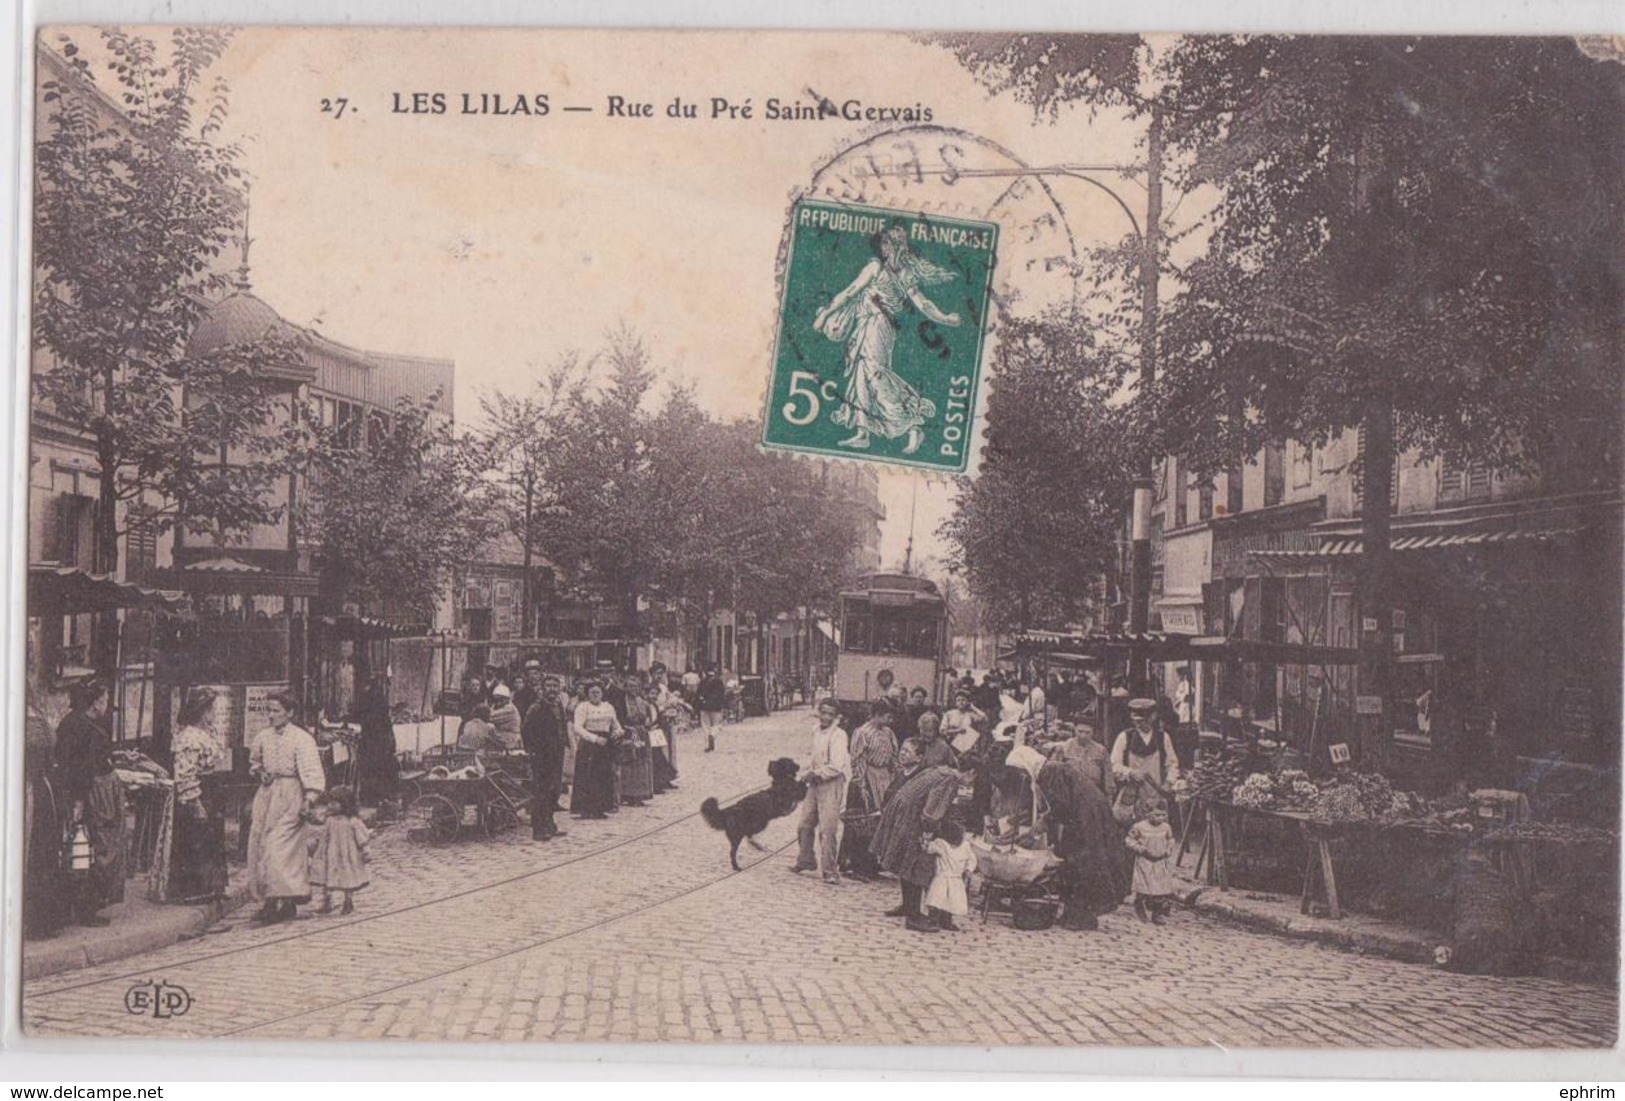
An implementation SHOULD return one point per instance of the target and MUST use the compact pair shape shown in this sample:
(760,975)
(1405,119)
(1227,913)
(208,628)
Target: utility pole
(913,497)
(1139,608)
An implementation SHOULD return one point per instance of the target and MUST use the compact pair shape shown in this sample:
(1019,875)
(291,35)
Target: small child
(1151,840)
(339,853)
(948,894)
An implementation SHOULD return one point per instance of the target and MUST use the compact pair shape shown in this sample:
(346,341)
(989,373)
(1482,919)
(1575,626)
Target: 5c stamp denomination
(881,332)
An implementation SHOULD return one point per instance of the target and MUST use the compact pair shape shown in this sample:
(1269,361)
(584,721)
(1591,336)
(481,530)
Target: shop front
(250,639)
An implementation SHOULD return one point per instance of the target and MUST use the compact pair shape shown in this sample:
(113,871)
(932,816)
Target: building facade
(1506,611)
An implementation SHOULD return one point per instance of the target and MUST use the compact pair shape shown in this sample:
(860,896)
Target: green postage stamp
(881,330)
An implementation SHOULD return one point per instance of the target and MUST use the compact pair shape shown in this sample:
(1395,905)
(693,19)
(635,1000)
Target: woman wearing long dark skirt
(1094,875)
(85,754)
(595,727)
(199,869)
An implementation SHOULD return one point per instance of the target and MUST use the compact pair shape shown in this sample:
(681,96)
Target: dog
(745,819)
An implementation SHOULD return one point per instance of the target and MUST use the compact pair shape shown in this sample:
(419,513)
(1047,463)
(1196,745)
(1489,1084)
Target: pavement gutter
(154,926)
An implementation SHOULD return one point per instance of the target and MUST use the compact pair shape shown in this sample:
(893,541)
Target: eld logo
(161,999)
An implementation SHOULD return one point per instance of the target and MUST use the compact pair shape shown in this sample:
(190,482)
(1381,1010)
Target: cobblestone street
(635,929)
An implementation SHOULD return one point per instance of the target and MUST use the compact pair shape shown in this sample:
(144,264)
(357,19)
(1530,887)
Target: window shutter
(1478,482)
(51,529)
(1452,480)
(1359,479)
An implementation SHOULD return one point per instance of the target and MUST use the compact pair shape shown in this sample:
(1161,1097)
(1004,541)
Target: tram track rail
(328,929)
(516,950)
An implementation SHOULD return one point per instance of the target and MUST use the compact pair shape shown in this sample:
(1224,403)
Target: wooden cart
(445,806)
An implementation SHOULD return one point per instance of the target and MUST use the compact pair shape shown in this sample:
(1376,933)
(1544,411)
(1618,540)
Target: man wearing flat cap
(530,689)
(1143,761)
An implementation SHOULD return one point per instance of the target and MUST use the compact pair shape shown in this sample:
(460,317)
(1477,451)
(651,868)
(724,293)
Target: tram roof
(895,588)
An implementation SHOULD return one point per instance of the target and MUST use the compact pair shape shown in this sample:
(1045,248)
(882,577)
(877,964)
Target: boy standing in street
(826,775)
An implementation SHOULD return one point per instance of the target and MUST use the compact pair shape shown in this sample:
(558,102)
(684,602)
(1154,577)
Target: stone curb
(169,926)
(1404,945)
(1407,946)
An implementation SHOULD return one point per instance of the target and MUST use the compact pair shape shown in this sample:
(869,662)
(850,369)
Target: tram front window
(855,638)
(890,636)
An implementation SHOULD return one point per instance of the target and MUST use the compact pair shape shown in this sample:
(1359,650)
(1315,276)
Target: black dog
(750,816)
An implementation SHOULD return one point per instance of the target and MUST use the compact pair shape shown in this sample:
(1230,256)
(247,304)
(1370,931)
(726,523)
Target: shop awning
(1155,646)
(1205,648)
(67,590)
(230,576)
(1344,548)
(359,628)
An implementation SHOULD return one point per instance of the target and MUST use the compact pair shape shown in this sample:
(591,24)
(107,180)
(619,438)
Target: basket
(1034,914)
(1013,867)
(858,820)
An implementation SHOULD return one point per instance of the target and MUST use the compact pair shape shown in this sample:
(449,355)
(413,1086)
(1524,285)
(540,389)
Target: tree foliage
(396,513)
(1032,532)
(134,205)
(1429,224)
(519,435)
(659,502)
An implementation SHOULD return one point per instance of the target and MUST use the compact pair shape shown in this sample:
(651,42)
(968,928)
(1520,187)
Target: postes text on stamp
(880,335)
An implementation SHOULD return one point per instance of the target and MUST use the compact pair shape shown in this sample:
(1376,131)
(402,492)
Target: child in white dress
(1151,840)
(338,859)
(948,894)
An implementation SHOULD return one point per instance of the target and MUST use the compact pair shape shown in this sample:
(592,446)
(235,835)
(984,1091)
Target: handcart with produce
(1018,877)
(1013,857)
(476,792)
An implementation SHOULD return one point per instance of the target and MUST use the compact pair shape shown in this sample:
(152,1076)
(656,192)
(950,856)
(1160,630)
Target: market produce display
(1353,796)
(1214,777)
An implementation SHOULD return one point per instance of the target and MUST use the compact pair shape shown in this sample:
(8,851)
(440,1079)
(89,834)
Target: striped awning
(365,628)
(68,590)
(1344,547)
(1157,646)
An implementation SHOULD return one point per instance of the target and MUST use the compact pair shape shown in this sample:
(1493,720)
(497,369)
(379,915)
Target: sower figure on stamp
(866,317)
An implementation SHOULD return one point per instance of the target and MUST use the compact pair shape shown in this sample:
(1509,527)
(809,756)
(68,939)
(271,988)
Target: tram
(894,630)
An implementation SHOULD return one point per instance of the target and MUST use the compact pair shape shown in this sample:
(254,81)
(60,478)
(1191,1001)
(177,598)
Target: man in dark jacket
(544,734)
(530,690)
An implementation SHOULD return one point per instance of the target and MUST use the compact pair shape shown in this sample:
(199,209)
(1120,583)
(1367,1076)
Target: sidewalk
(1279,914)
(138,926)
(1372,936)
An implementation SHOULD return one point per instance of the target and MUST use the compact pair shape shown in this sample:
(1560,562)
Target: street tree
(396,510)
(137,198)
(521,436)
(1416,240)
(611,516)
(658,502)
(1040,523)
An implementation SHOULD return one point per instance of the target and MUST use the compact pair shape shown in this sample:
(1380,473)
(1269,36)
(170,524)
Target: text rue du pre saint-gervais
(719,108)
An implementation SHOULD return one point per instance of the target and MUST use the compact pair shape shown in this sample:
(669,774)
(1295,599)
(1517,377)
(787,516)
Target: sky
(503,241)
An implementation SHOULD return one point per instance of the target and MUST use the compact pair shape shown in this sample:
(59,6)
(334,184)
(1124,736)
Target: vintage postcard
(832,538)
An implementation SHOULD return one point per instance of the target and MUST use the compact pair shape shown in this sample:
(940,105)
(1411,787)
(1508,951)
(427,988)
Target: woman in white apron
(289,767)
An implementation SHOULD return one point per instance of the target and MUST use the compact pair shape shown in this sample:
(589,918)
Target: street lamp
(1149,237)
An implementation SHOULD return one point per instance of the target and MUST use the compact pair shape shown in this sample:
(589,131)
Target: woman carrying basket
(874,753)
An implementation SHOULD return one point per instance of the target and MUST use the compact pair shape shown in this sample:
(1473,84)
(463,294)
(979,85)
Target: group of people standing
(619,732)
(1103,812)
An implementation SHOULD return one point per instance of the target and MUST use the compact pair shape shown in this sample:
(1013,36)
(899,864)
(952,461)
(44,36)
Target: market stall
(57,594)
(1426,857)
